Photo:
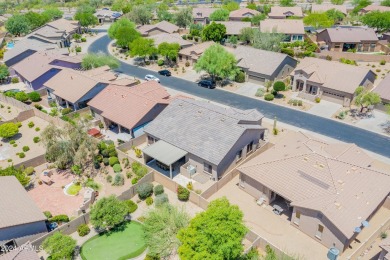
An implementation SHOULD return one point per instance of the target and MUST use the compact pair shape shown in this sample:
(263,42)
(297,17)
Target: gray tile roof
(24,252)
(383,89)
(16,206)
(201,128)
(351,34)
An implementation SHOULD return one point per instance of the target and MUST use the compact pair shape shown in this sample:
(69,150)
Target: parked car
(206,84)
(151,77)
(166,73)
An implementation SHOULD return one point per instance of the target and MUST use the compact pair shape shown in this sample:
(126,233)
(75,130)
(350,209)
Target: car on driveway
(206,84)
(151,77)
(166,73)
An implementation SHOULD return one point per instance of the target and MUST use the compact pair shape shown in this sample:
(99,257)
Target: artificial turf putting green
(73,189)
(124,243)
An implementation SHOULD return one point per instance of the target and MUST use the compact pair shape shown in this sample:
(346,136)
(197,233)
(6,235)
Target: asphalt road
(368,140)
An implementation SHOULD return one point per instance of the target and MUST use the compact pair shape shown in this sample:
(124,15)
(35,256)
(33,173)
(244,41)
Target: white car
(151,77)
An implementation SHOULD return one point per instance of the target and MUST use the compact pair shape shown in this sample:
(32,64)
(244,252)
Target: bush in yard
(21,96)
(59,218)
(66,111)
(240,77)
(161,199)
(129,175)
(149,201)
(36,139)
(113,160)
(382,62)
(190,186)
(109,178)
(117,167)
(269,97)
(187,64)
(134,181)
(105,161)
(131,205)
(118,180)
(83,230)
(37,129)
(160,62)
(78,49)
(159,189)
(288,51)
(59,246)
(15,80)
(318,99)
(183,194)
(145,190)
(31,124)
(26,148)
(47,214)
(259,92)
(19,124)
(12,142)
(34,96)
(8,130)
(279,86)
(83,39)
(22,155)
(29,170)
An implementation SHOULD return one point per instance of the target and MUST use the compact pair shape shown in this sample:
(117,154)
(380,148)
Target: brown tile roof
(316,175)
(333,74)
(285,26)
(325,7)
(127,106)
(24,252)
(243,12)
(379,8)
(163,26)
(64,25)
(17,207)
(281,11)
(234,28)
(196,50)
(383,89)
(202,12)
(351,34)
(170,38)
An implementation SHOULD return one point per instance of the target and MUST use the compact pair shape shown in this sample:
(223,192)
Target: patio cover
(164,152)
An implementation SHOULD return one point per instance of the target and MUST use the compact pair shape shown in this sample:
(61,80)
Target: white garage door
(333,97)
(256,79)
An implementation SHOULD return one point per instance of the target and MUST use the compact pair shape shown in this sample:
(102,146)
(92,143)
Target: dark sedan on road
(206,84)
(166,73)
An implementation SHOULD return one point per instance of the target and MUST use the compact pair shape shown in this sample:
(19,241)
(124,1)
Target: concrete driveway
(324,109)
(248,89)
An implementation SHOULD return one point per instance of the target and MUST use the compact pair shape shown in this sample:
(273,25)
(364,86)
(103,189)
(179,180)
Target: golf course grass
(124,243)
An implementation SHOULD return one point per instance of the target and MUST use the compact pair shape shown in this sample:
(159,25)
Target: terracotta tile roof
(281,11)
(127,106)
(196,49)
(163,26)
(315,8)
(170,38)
(17,207)
(383,89)
(379,8)
(345,192)
(351,34)
(64,25)
(234,28)
(333,74)
(243,12)
(286,26)
(202,12)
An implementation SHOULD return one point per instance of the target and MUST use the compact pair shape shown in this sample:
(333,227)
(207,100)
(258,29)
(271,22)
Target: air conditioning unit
(191,169)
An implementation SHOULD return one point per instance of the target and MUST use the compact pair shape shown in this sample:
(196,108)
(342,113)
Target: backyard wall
(352,56)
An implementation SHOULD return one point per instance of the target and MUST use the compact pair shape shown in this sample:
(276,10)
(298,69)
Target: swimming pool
(10,45)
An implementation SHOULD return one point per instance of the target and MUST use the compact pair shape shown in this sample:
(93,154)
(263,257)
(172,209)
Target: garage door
(333,97)
(256,79)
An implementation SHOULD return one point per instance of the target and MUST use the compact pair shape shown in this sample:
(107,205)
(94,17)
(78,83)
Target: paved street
(368,140)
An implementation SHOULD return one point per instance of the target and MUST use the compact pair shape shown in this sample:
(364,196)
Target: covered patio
(166,157)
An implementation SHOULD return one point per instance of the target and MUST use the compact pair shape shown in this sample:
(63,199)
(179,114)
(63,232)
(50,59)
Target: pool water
(10,45)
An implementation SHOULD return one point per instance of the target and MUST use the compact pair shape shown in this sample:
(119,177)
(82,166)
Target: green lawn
(121,244)
(73,189)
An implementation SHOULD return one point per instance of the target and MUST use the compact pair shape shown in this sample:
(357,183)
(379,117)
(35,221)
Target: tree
(8,130)
(364,98)
(4,72)
(246,35)
(220,15)
(93,60)
(378,20)
(121,5)
(217,62)
(184,17)
(196,29)
(85,15)
(318,20)
(59,246)
(216,233)
(36,20)
(34,96)
(287,3)
(335,15)
(17,25)
(161,226)
(140,15)
(125,36)
(214,32)
(231,6)
(267,41)
(359,4)
(169,50)
(142,47)
(385,3)
(18,173)
(121,23)
(257,18)
(77,37)
(21,96)
(108,212)
(279,86)
(52,13)
(337,2)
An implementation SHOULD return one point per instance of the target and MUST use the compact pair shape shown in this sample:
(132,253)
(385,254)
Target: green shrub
(12,142)
(131,205)
(22,155)
(31,124)
(106,161)
(184,37)
(161,199)
(159,189)
(18,124)
(14,145)
(382,62)
(139,169)
(279,86)
(160,62)
(149,201)
(26,148)
(259,92)
(15,80)
(83,230)
(183,194)
(269,97)
(328,57)
(36,139)
(109,178)
(47,214)
(34,96)
(288,51)
(129,175)
(134,181)
(275,131)
(187,64)
(145,190)
(190,186)
(113,160)
(383,234)
(21,96)
(66,111)
(83,39)
(240,77)
(118,180)
(78,49)
(117,167)
(29,170)
(341,115)
(147,63)
(59,218)
(318,99)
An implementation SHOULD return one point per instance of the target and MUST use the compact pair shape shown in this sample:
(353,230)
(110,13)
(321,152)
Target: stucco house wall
(13,232)
(38,83)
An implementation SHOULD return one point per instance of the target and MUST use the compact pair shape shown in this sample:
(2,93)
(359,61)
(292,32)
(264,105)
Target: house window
(320,230)
(337,45)
(249,147)
(150,140)
(207,168)
(239,156)
(297,217)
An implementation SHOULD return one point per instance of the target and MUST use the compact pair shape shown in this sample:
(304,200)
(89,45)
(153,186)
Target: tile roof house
(293,29)
(208,138)
(326,190)
(235,27)
(24,252)
(329,80)
(282,12)
(107,16)
(130,108)
(371,8)
(261,66)
(39,67)
(170,38)
(320,8)
(202,14)
(383,89)
(21,220)
(347,38)
(242,13)
(193,53)
(74,89)
(161,27)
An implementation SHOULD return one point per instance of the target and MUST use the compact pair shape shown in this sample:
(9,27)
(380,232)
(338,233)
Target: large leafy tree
(184,17)
(231,6)
(8,130)
(287,3)
(96,60)
(169,50)
(267,41)
(52,13)
(140,14)
(385,3)
(161,227)
(220,15)
(335,15)
(365,98)
(4,72)
(36,20)
(121,23)
(337,2)
(378,20)
(85,15)
(216,233)
(359,4)
(18,173)
(17,25)
(108,212)
(125,36)
(121,5)
(214,32)
(59,246)
(218,62)
(142,47)
(257,18)
(318,20)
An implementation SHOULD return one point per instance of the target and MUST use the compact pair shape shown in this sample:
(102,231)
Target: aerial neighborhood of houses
(195,130)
